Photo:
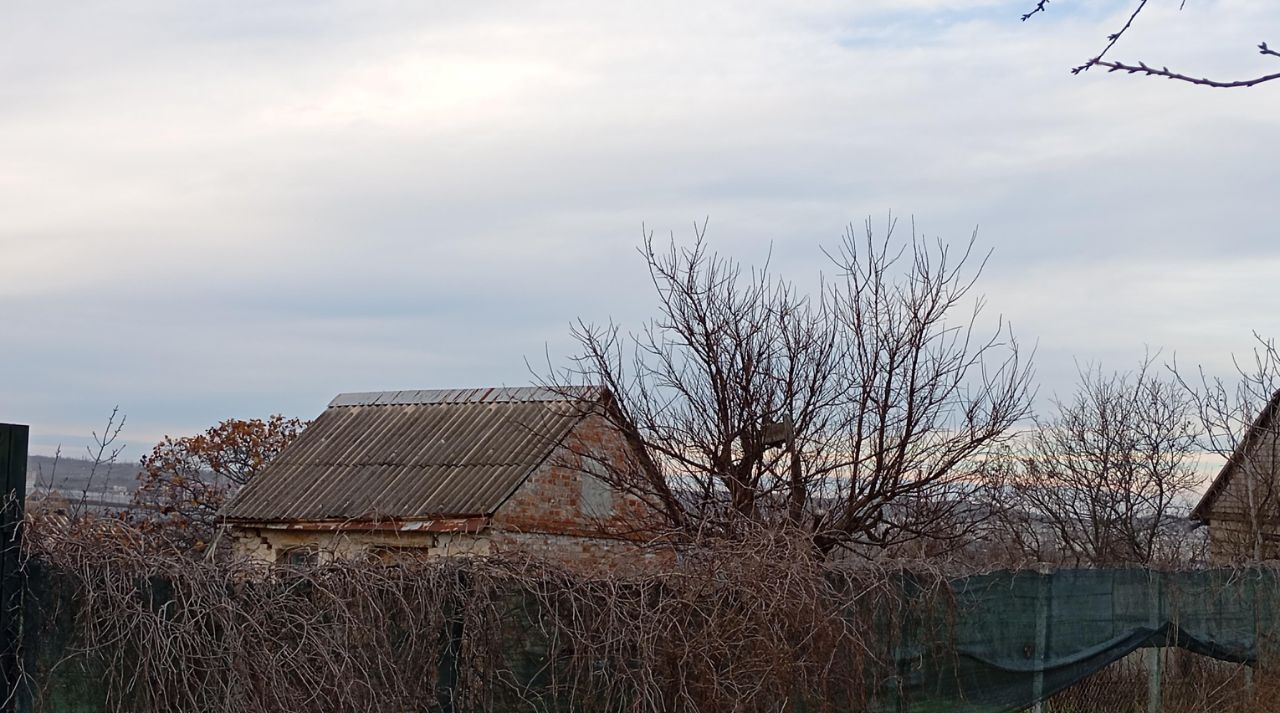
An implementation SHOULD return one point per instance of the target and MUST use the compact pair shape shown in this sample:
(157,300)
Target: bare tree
(860,414)
(1106,479)
(102,457)
(1100,59)
(1238,417)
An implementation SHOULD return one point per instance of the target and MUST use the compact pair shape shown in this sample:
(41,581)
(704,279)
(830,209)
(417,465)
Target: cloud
(245,209)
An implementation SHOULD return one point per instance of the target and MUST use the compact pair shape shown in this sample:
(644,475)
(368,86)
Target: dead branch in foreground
(731,626)
(747,627)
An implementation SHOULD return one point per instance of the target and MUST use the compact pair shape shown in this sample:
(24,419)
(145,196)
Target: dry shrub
(747,627)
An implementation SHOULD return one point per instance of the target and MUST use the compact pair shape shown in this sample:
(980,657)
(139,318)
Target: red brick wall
(562,498)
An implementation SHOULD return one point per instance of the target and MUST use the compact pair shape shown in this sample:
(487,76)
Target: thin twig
(1144,69)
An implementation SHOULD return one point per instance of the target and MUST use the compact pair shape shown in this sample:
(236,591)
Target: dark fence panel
(13,479)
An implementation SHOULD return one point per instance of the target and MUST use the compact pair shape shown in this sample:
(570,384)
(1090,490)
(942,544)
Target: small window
(595,496)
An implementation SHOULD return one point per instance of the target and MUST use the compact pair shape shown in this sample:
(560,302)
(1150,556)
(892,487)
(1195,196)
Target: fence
(485,635)
(1021,637)
(13,487)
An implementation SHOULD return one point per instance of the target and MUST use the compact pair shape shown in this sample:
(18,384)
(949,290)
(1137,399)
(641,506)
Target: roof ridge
(486,394)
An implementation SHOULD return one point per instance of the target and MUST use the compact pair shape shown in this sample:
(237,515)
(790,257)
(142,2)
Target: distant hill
(75,475)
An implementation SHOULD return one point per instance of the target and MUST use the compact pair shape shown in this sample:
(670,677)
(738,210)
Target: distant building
(442,472)
(1242,505)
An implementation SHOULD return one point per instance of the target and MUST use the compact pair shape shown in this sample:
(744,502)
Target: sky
(236,209)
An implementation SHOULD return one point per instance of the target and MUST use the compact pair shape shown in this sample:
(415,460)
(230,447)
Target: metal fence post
(1043,596)
(1155,655)
(13,477)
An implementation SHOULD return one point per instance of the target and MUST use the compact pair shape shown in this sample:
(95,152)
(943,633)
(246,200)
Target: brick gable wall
(562,498)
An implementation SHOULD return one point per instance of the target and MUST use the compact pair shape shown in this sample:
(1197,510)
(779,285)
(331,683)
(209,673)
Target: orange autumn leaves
(185,481)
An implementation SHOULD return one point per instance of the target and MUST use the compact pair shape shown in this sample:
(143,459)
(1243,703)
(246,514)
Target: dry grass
(1190,684)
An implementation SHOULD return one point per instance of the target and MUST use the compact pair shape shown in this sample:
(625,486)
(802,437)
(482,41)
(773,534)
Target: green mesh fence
(1021,637)
(997,642)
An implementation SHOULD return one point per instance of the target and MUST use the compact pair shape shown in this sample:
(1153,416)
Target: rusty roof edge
(448,523)
(1200,511)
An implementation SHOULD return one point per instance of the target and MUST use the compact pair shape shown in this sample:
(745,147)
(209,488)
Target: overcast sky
(213,210)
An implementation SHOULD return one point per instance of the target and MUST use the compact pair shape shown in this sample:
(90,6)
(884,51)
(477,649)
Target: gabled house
(1242,504)
(441,472)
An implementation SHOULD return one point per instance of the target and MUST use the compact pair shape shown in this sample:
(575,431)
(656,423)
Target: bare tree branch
(1145,69)
(1105,481)
(1040,7)
(1235,415)
(1142,68)
(887,395)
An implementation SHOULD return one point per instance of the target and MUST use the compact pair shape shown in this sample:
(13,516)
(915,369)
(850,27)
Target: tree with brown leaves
(185,481)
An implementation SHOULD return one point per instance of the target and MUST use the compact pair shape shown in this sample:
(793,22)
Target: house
(1242,504)
(442,472)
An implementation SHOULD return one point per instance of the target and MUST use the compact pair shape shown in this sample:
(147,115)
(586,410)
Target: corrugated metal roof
(412,455)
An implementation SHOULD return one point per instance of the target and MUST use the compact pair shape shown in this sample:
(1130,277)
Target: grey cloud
(239,210)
